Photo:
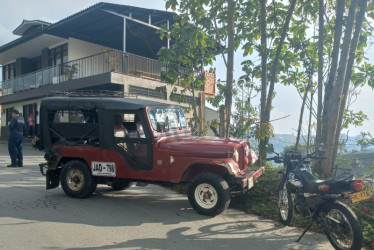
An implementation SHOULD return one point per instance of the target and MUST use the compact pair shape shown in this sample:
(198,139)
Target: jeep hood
(199,146)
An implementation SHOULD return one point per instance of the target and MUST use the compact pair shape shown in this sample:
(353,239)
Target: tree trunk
(308,150)
(263,52)
(230,65)
(320,73)
(310,81)
(333,69)
(274,69)
(359,20)
(265,114)
(333,109)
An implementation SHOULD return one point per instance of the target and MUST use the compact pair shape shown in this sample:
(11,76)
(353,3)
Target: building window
(9,71)
(58,55)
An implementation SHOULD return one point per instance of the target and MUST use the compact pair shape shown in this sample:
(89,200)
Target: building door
(30,109)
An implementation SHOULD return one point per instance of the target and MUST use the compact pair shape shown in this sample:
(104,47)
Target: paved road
(139,218)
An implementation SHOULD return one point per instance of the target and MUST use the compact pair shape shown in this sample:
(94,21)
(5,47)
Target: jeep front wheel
(209,194)
(76,179)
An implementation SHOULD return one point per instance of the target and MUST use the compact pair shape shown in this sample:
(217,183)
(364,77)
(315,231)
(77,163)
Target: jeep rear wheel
(209,194)
(76,179)
(121,184)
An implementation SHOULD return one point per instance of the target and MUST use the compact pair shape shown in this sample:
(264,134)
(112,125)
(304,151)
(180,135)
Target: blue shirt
(16,126)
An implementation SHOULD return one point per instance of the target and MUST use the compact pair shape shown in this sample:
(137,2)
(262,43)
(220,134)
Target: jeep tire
(121,184)
(209,194)
(76,179)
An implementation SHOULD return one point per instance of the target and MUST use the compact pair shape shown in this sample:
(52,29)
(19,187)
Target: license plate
(250,183)
(103,168)
(360,196)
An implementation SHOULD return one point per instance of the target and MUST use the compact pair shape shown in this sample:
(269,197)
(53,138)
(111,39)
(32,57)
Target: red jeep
(117,141)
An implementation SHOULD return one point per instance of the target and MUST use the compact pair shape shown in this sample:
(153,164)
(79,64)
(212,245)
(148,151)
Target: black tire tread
(290,204)
(121,185)
(222,188)
(353,221)
(90,184)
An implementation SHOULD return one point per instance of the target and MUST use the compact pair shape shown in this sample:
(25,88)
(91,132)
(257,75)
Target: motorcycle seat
(340,183)
(311,183)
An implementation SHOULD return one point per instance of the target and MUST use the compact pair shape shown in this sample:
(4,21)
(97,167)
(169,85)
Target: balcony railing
(110,61)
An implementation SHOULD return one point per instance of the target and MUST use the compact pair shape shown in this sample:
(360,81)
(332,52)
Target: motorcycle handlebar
(277,159)
(320,157)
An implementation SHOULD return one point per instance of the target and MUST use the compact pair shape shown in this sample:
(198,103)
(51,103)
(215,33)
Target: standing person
(30,120)
(16,127)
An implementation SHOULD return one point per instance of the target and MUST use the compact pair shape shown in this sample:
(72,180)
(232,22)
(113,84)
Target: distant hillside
(282,140)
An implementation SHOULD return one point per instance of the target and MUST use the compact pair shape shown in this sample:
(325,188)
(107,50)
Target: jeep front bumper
(247,180)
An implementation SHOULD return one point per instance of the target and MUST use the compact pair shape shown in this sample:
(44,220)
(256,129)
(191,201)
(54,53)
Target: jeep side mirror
(161,127)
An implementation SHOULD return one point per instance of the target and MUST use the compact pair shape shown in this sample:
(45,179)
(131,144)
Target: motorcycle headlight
(236,155)
(246,150)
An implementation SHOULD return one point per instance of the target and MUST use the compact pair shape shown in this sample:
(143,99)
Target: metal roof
(27,24)
(97,26)
(89,103)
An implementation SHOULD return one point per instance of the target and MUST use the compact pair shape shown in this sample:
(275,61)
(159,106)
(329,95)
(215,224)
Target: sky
(286,103)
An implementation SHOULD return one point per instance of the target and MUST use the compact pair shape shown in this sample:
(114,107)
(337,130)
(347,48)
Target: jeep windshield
(167,119)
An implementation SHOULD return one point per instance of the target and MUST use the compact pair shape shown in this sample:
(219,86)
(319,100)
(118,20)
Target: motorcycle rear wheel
(342,227)
(285,203)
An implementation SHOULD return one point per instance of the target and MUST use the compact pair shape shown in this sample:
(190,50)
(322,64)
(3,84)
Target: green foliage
(352,118)
(366,218)
(343,162)
(298,59)
(262,198)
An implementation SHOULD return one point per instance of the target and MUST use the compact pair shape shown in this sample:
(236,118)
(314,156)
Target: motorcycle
(320,200)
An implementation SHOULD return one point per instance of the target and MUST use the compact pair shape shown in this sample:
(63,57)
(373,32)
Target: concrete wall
(79,49)
(209,116)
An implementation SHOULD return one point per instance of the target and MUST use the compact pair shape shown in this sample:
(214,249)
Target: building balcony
(110,61)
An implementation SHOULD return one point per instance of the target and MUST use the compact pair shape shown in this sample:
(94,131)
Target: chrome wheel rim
(206,196)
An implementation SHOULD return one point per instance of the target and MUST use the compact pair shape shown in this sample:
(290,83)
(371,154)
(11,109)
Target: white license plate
(250,183)
(103,168)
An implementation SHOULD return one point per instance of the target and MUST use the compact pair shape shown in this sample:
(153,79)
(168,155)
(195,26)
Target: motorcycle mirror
(322,147)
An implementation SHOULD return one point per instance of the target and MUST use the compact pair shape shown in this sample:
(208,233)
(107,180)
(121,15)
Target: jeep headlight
(236,155)
(246,150)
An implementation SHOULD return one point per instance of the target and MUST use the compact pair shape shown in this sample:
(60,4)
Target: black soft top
(88,103)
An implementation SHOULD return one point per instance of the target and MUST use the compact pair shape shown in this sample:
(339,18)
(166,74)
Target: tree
(207,15)
(321,30)
(266,99)
(275,37)
(185,60)
(336,90)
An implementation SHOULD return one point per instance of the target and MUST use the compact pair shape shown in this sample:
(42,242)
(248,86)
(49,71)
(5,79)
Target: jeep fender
(196,169)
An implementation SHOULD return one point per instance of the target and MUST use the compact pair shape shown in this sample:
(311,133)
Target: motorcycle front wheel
(285,203)
(342,227)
